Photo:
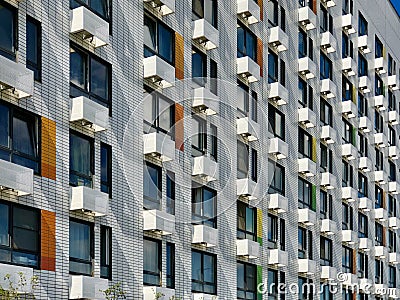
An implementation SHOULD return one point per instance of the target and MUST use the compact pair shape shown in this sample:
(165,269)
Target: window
(347,174)
(305,143)
(254,106)
(347,136)
(170,262)
(152,186)
(19,137)
(326,159)
(305,194)
(378,160)
(158,40)
(276,178)
(326,113)
(204,272)
(347,46)
(378,122)
(272,67)
(326,251)
(362,264)
(204,206)
(306,94)
(392,136)
(362,226)
(247,43)
(105,252)
(276,122)
(306,244)
(273,13)
(282,76)
(347,259)
(347,217)
(213,77)
(392,208)
(362,145)
(362,185)
(246,222)
(379,234)
(379,89)
(81,247)
(243,99)
(392,101)
(378,48)
(362,65)
(159,114)
(391,66)
(326,208)
(246,281)
(283,19)
(152,260)
(378,197)
(325,293)
(34,47)
(100,7)
(347,89)
(170,205)
(242,160)
(304,47)
(214,142)
(199,67)
(325,67)
(362,25)
(272,284)
(8,36)
(326,20)
(362,106)
(205,9)
(306,288)
(199,139)
(378,271)
(81,160)
(347,294)
(19,235)
(392,241)
(105,168)
(254,163)
(89,76)
(392,277)
(276,233)
(347,7)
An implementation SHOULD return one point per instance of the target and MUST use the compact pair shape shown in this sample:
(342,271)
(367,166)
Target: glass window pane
(165,43)
(32,42)
(25,218)
(150,35)
(78,67)
(24,136)
(24,239)
(196,266)
(100,6)
(80,155)
(7,28)
(99,79)
(164,114)
(79,241)
(4,125)
(240,276)
(4,224)
(208,268)
(151,184)
(150,256)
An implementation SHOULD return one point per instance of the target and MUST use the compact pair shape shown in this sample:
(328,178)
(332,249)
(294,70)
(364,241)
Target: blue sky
(396,4)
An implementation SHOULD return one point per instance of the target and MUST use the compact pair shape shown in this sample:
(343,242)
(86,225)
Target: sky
(396,4)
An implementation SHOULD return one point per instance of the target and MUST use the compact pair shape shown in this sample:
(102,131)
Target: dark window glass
(246,281)
(304,194)
(246,221)
(158,40)
(80,160)
(378,197)
(204,273)
(272,284)
(254,165)
(362,264)
(362,226)
(204,206)
(276,178)
(34,47)
(8,30)
(152,262)
(392,277)
(214,142)
(199,138)
(272,67)
(305,143)
(152,186)
(276,122)
(347,7)
(378,234)
(170,204)
(378,271)
(378,48)
(100,7)
(362,106)
(326,113)
(347,259)
(325,67)
(105,252)
(347,217)
(170,262)
(362,186)
(81,252)
(105,168)
(362,25)
(199,67)
(302,43)
(379,89)
(246,43)
(347,135)
(205,9)
(362,65)
(242,160)
(326,251)
(305,243)
(213,76)
(347,89)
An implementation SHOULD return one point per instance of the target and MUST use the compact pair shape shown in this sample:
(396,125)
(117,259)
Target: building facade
(200,149)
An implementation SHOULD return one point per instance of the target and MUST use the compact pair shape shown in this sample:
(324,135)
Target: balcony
(204,101)
(248,68)
(246,188)
(348,23)
(393,117)
(394,188)
(205,168)
(158,71)
(150,292)
(205,235)
(248,248)
(307,266)
(15,178)
(366,204)
(380,289)
(364,44)
(16,78)
(159,222)
(14,273)
(328,3)
(159,145)
(328,227)
(364,84)
(380,214)
(90,201)
(349,194)
(349,237)
(203,296)
(349,109)
(247,128)
(328,88)
(393,82)
(307,167)
(394,258)
(379,102)
(89,113)
(278,258)
(205,34)
(328,273)
(365,125)
(85,287)
(365,244)
(278,39)
(381,252)
(307,216)
(380,177)
(88,26)
(307,18)
(164,7)
(380,140)
(307,117)
(307,67)
(349,66)
(365,164)
(349,279)
(249,10)
(278,203)
(349,151)
(278,148)
(278,93)
(394,223)
(380,65)
(393,152)
(328,42)
(328,134)
(328,181)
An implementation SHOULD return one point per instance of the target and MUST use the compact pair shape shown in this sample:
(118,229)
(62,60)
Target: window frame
(246,290)
(12,55)
(272,122)
(326,251)
(103,264)
(203,282)
(274,187)
(148,202)
(246,32)
(108,183)
(36,68)
(170,264)
(347,259)
(92,157)
(158,244)
(305,247)
(242,209)
(201,219)
(91,245)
